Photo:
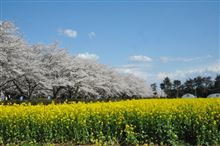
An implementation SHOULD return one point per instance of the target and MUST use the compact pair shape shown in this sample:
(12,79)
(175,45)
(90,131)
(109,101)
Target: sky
(150,39)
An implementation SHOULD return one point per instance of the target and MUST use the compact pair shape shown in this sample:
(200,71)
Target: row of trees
(199,86)
(38,70)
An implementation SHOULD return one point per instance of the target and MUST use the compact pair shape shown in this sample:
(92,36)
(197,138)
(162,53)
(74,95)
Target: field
(145,121)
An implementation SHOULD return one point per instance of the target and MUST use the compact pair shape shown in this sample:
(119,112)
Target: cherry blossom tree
(39,70)
(12,47)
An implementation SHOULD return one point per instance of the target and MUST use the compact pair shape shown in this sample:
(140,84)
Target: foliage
(158,121)
(198,86)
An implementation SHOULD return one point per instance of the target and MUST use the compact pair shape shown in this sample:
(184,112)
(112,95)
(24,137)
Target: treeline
(34,71)
(198,86)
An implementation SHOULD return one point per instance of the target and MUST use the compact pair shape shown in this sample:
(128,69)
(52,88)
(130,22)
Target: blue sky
(151,39)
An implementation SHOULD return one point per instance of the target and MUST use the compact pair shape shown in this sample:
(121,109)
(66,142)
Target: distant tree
(154,89)
(202,85)
(198,86)
(162,87)
(176,86)
(207,86)
(189,86)
(217,84)
(167,86)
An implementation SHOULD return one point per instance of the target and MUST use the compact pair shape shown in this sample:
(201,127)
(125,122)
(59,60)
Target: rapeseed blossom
(145,121)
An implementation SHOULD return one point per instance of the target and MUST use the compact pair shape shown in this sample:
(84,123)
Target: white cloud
(68,32)
(140,58)
(135,72)
(91,35)
(165,59)
(183,74)
(138,68)
(135,69)
(88,56)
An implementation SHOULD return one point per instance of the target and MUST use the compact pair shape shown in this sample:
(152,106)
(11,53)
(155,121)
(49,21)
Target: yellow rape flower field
(144,121)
